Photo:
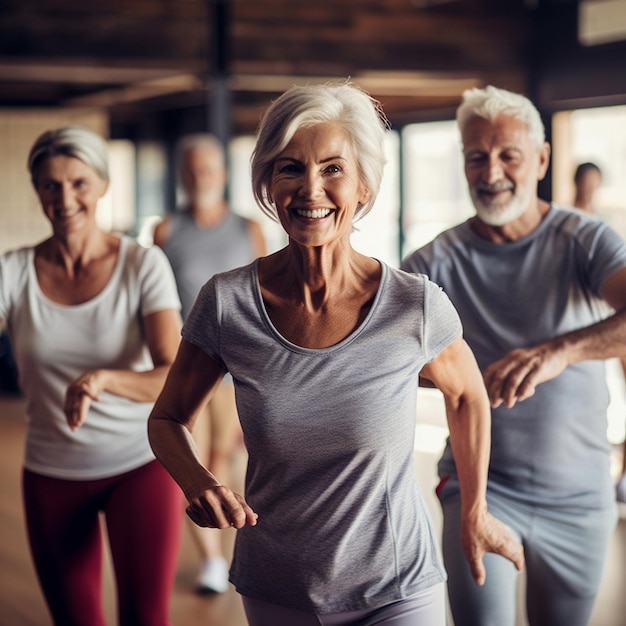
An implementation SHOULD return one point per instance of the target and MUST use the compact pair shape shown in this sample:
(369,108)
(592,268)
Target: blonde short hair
(74,141)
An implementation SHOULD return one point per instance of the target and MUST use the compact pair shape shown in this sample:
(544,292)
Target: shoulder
(139,257)
(162,231)
(255,232)
(407,288)
(18,258)
(14,267)
(252,225)
(572,220)
(235,278)
(14,275)
(438,249)
(228,293)
(243,223)
(584,228)
(403,278)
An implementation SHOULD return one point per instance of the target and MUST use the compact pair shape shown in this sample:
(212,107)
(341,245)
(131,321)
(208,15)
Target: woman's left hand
(79,395)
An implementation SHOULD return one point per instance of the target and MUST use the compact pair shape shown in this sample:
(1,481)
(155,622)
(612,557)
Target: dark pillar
(219,105)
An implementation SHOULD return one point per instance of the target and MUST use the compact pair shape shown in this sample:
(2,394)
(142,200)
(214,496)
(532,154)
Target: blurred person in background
(94,322)
(202,239)
(587,181)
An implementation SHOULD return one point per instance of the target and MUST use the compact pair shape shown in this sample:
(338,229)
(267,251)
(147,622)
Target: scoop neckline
(294,347)
(87,303)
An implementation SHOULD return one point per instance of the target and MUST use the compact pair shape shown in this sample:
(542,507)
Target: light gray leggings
(565,553)
(424,609)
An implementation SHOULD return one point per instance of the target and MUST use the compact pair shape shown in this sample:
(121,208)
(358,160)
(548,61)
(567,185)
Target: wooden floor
(21,602)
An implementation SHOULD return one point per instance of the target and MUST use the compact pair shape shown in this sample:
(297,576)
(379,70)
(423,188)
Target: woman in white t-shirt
(94,323)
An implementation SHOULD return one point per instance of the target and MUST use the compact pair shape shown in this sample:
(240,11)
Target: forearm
(600,341)
(175,449)
(470,436)
(136,386)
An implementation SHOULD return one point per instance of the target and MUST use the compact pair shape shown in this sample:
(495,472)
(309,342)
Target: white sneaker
(213,576)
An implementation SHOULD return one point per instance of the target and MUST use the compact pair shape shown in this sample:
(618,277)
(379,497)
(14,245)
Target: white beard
(207,198)
(494,214)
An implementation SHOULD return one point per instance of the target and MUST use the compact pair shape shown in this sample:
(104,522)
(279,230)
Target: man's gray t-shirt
(196,253)
(330,435)
(551,449)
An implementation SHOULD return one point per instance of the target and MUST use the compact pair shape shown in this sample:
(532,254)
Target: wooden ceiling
(135,56)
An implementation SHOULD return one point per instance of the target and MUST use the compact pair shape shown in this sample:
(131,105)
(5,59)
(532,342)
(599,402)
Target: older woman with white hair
(325,346)
(94,322)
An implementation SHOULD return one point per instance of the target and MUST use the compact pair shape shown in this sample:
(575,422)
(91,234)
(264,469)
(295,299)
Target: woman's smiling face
(316,186)
(69,191)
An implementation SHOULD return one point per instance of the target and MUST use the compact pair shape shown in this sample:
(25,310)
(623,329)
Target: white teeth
(314,214)
(64,214)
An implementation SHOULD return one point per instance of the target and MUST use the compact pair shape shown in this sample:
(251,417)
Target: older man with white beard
(531,281)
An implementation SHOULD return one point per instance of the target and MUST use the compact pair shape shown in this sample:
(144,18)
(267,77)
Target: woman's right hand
(79,396)
(219,507)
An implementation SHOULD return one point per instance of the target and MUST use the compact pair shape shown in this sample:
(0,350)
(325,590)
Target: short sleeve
(415,264)
(5,298)
(606,253)
(201,327)
(13,277)
(158,286)
(442,324)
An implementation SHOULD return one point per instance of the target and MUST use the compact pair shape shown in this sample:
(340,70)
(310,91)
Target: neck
(75,252)
(314,276)
(584,204)
(209,215)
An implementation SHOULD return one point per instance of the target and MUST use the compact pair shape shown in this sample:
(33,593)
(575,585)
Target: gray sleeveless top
(197,253)
(330,434)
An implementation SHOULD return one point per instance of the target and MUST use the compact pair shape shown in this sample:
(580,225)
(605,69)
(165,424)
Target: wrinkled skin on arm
(456,374)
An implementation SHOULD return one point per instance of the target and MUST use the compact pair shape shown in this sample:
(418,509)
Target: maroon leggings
(142,509)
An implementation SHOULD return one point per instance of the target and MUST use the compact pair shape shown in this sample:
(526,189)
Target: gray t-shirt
(197,253)
(551,449)
(330,434)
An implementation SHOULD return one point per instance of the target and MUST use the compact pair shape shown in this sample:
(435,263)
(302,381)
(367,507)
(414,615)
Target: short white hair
(303,106)
(73,141)
(197,141)
(491,102)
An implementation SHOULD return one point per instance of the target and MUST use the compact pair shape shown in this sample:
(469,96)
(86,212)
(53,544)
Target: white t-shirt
(55,343)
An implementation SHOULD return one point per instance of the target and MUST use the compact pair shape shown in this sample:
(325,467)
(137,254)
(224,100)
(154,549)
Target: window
(435,190)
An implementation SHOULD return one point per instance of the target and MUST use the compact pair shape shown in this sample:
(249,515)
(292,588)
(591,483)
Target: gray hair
(72,141)
(196,141)
(302,106)
(491,102)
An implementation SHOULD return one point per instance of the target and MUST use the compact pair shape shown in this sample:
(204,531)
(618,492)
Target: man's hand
(488,534)
(515,376)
